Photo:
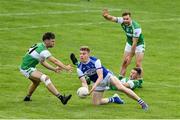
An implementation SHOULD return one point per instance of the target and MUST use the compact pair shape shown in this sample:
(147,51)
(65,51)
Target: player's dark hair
(138,69)
(48,36)
(126,13)
(85,48)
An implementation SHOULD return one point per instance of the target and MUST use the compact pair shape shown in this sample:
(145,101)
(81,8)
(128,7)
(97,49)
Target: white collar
(86,62)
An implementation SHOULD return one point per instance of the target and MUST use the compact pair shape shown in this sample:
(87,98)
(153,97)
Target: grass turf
(79,22)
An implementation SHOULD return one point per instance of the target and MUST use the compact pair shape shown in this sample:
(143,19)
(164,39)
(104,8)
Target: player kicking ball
(101,77)
(39,53)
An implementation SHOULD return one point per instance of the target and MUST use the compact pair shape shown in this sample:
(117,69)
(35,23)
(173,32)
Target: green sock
(112,87)
(120,77)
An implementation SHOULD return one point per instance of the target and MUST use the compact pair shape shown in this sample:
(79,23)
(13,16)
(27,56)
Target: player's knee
(138,65)
(126,63)
(96,103)
(36,83)
(121,87)
(45,79)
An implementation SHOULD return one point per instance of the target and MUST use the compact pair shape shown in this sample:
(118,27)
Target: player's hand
(92,89)
(90,92)
(69,68)
(105,12)
(58,69)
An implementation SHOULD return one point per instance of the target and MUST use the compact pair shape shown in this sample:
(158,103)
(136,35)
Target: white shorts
(104,83)
(139,48)
(27,72)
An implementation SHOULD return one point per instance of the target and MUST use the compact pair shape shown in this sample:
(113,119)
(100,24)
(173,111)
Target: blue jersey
(89,69)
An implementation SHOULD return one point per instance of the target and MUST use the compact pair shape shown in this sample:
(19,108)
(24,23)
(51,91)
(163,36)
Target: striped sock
(111,100)
(58,95)
(140,101)
(28,96)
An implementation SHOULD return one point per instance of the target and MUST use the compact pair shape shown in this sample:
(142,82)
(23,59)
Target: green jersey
(132,31)
(132,83)
(38,52)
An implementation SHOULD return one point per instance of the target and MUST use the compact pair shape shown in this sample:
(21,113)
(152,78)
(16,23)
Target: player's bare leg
(139,58)
(37,75)
(125,64)
(44,78)
(97,99)
(122,88)
(128,92)
(32,87)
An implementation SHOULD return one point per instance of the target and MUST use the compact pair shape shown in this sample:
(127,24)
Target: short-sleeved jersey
(132,31)
(89,69)
(133,82)
(38,52)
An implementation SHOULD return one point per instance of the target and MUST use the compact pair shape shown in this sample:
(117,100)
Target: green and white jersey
(132,31)
(132,83)
(38,52)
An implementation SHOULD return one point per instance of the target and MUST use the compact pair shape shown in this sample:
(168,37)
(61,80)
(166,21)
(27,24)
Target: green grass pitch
(79,22)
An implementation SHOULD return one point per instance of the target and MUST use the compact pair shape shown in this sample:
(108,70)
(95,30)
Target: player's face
(133,74)
(127,20)
(50,43)
(84,56)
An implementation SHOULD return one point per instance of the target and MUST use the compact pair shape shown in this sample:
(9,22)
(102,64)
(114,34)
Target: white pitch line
(81,24)
(70,12)
(75,5)
(49,13)
(55,12)
(53,3)
(96,7)
(53,25)
(161,20)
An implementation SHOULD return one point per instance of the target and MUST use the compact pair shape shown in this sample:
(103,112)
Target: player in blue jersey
(101,77)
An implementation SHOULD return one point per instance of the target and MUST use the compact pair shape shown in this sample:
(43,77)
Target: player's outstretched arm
(48,66)
(99,79)
(109,17)
(83,82)
(59,63)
